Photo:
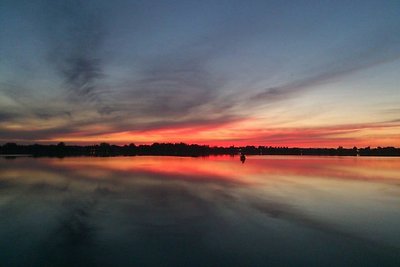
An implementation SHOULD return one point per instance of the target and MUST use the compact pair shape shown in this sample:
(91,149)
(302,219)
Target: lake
(212,211)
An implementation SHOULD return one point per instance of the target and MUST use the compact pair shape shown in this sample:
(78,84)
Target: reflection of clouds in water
(44,187)
(103,191)
(5,184)
(72,235)
(74,226)
(290,214)
(149,218)
(163,204)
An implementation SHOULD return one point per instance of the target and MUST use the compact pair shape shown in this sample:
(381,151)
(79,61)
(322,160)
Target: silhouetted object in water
(242,158)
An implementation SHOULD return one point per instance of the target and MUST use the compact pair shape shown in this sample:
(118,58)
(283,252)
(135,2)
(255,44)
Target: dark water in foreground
(167,211)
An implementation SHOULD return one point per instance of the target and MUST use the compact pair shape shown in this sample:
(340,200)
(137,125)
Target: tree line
(182,149)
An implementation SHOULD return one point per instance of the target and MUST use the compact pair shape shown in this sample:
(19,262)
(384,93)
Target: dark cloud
(8,116)
(166,91)
(45,114)
(81,73)
(175,85)
(200,121)
(76,32)
(29,134)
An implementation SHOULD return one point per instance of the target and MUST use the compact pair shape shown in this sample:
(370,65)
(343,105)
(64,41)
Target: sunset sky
(280,73)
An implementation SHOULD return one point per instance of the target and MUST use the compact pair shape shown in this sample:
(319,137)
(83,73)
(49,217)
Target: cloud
(379,47)
(185,84)
(48,114)
(75,34)
(9,116)
(166,90)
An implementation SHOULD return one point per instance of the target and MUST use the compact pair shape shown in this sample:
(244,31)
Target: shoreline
(188,150)
(13,156)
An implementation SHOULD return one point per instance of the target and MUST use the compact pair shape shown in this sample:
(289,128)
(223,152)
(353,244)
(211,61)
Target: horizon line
(189,144)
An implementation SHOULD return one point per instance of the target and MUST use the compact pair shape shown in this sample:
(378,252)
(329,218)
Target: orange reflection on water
(209,168)
(352,168)
(256,169)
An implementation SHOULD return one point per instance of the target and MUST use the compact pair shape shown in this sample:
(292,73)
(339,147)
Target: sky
(279,73)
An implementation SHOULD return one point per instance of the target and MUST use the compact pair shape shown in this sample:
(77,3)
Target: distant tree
(10,145)
(104,144)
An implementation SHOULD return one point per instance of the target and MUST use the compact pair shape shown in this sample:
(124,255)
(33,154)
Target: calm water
(170,211)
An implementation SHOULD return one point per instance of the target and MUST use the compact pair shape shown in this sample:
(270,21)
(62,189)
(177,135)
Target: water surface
(215,211)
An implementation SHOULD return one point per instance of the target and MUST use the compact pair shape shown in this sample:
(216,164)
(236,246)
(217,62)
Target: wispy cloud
(379,48)
(76,32)
(173,88)
(194,81)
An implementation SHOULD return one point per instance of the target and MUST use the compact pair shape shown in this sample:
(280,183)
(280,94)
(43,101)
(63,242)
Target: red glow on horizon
(242,133)
(288,137)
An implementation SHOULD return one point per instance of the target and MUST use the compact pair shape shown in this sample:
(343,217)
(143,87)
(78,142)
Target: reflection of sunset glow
(348,199)
(256,169)
(222,168)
